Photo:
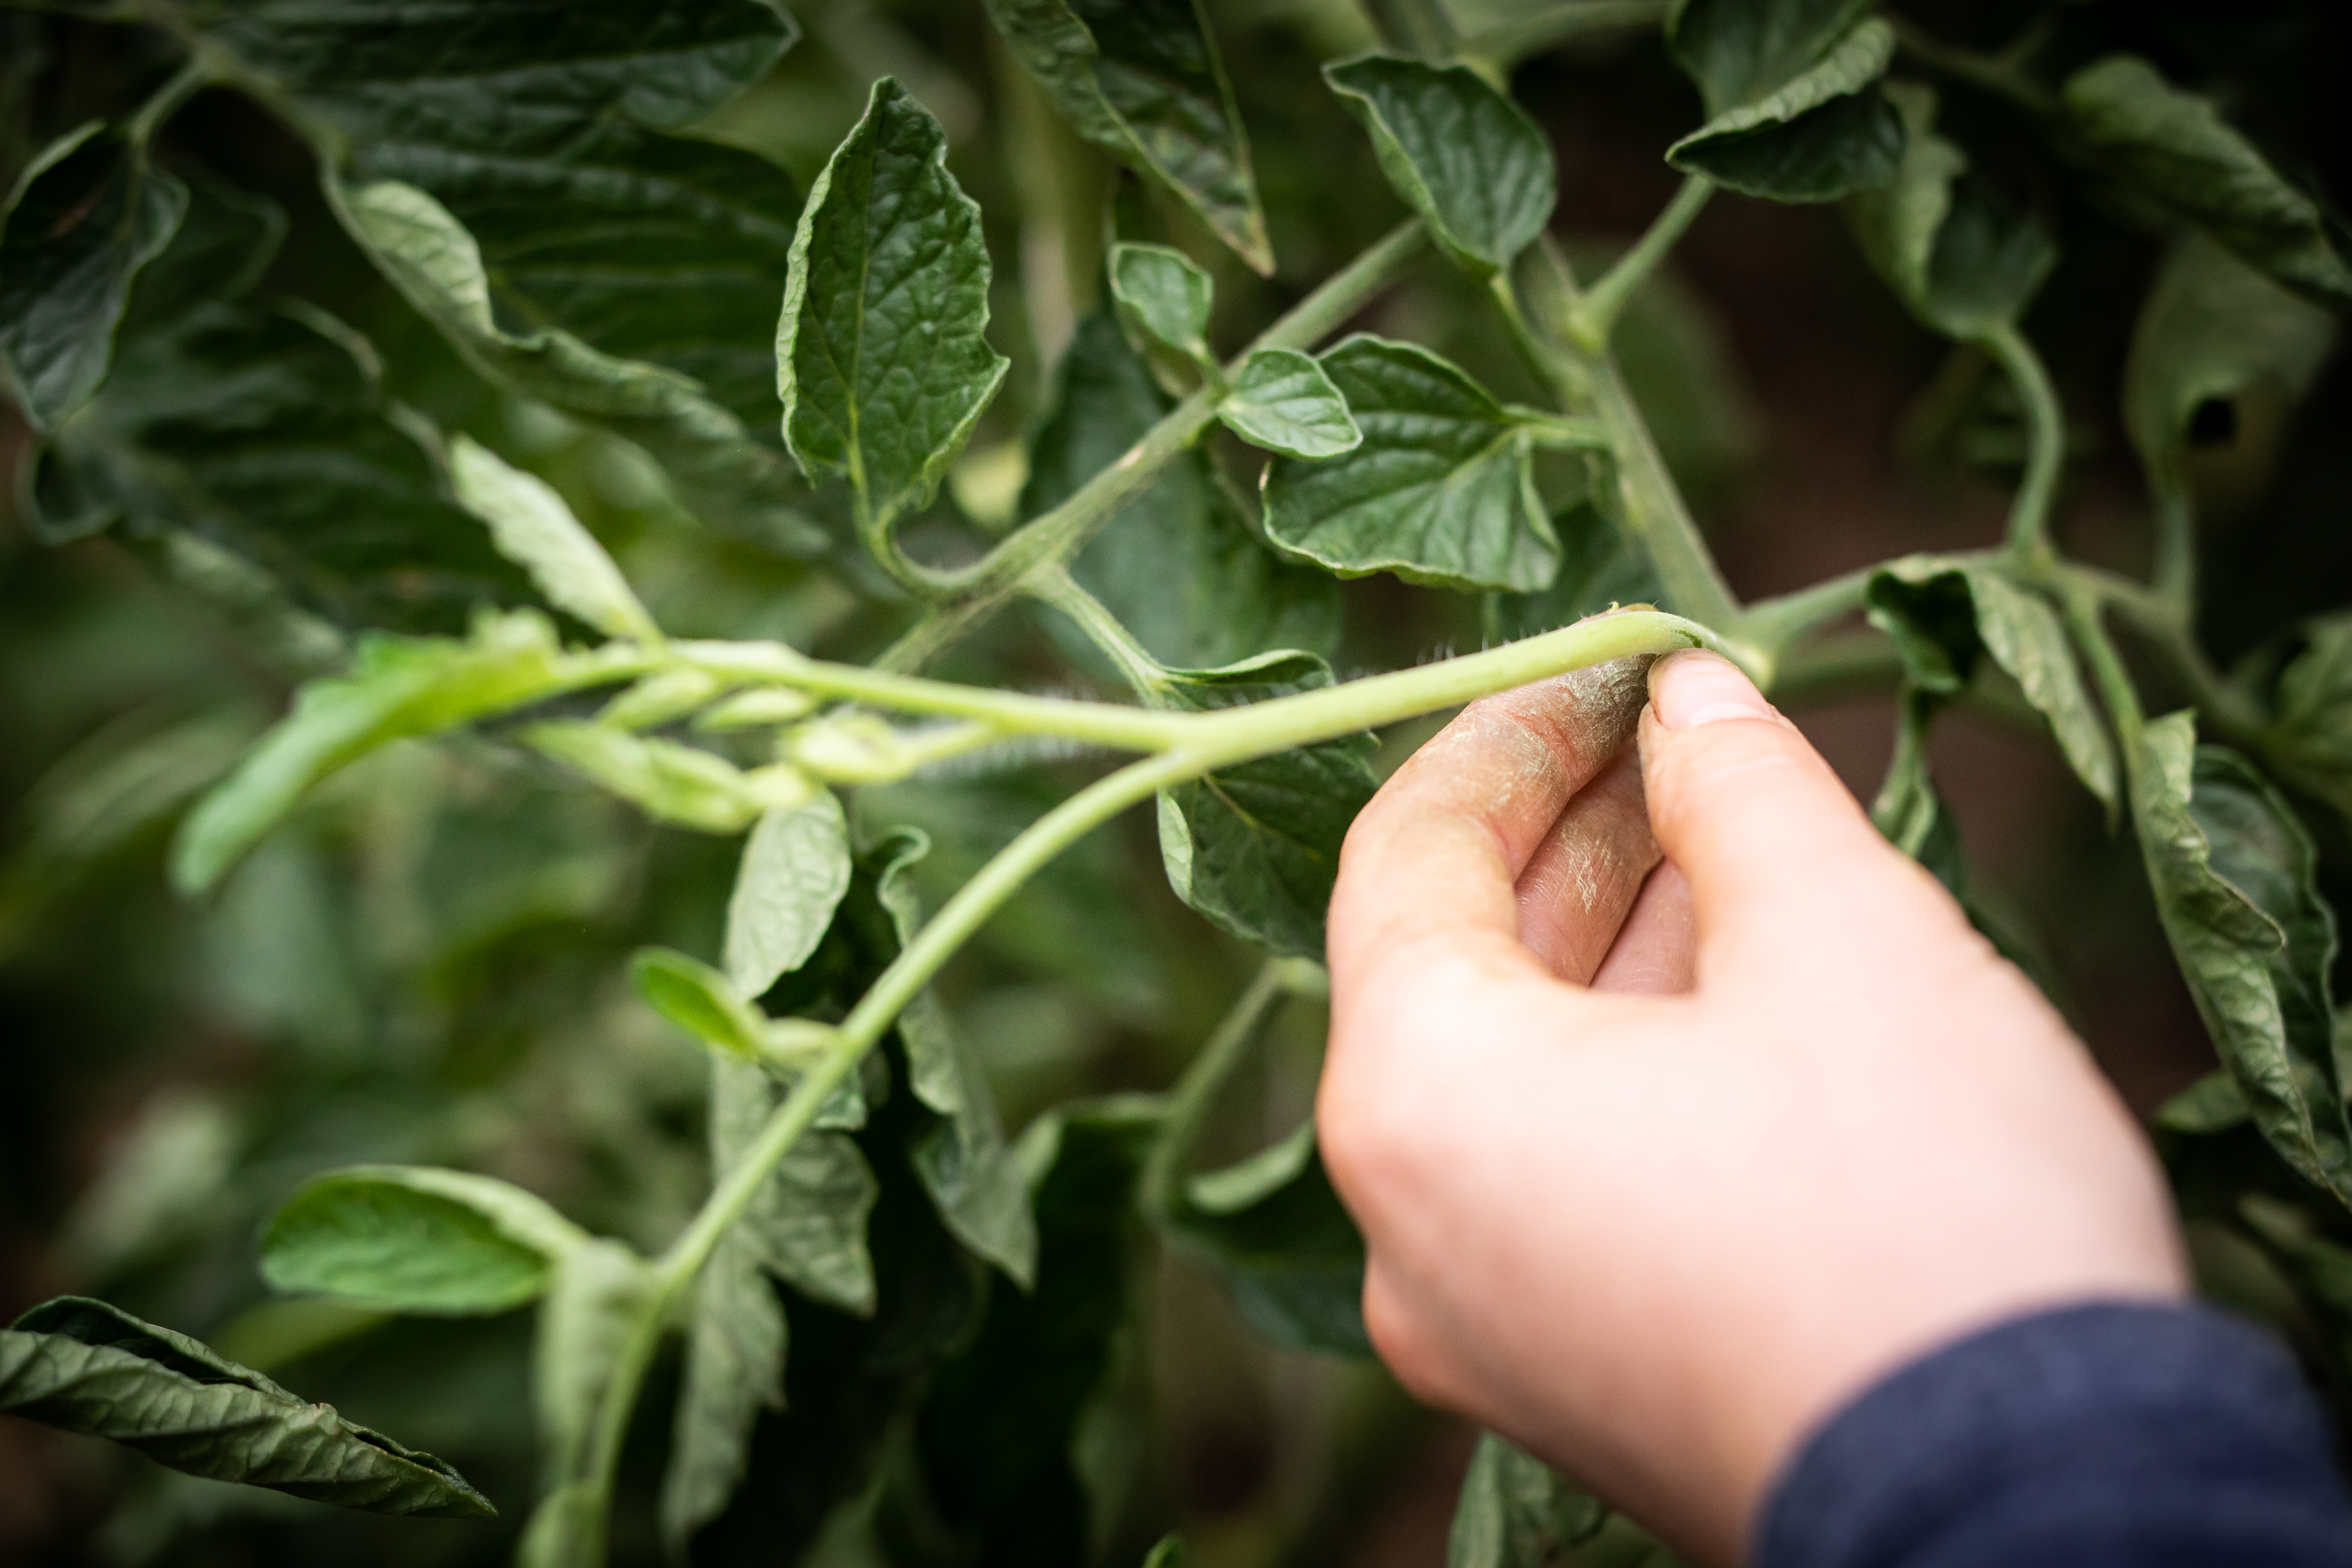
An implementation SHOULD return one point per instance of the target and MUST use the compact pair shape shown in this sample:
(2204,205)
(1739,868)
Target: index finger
(1428,870)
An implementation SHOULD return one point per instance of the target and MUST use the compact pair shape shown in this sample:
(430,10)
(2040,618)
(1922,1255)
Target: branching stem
(1596,315)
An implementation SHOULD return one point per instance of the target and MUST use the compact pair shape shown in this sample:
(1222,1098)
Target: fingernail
(1698,688)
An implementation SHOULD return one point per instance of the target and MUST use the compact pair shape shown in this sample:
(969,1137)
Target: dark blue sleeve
(2094,1436)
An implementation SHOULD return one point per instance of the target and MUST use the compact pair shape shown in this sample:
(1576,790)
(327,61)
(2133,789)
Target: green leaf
(404,1238)
(2234,878)
(2214,330)
(1168,1551)
(1795,114)
(807,1225)
(1178,566)
(84,1366)
(86,215)
(1953,253)
(1284,402)
(1142,80)
(735,1348)
(398,687)
(264,431)
(795,871)
(1940,613)
(1597,573)
(2174,149)
(1163,294)
(2313,729)
(673,783)
(716,470)
(1000,1432)
(597,1294)
(701,1001)
(2214,1104)
(1472,162)
(552,137)
(1256,848)
(1440,491)
(964,1162)
(1514,1512)
(880,356)
(533,528)
(1284,1247)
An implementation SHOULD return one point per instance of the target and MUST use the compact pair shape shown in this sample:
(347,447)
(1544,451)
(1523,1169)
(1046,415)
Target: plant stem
(1995,74)
(1650,506)
(1596,315)
(1773,624)
(2176,538)
(2080,607)
(1195,1093)
(1507,42)
(199,71)
(1134,662)
(981,589)
(2029,516)
(1418,27)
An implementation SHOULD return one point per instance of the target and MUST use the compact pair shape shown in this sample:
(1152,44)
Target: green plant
(523,183)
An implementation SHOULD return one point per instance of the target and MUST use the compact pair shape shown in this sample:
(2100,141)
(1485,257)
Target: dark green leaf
(1460,153)
(1256,846)
(1001,1429)
(963,1161)
(807,1225)
(1738,51)
(2212,1104)
(86,215)
(1952,251)
(88,1367)
(795,869)
(1283,402)
(735,1348)
(1941,614)
(2213,329)
(1142,79)
(266,433)
(2233,873)
(1796,113)
(1440,491)
(1515,1513)
(1164,295)
(402,1239)
(716,470)
(1597,573)
(699,1000)
(547,135)
(399,687)
(880,356)
(1275,1232)
(2315,711)
(2174,149)
(1178,566)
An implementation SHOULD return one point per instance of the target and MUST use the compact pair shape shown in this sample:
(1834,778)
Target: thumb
(1784,863)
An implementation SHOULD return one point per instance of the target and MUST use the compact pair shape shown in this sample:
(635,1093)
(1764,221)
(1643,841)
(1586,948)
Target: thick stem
(2029,516)
(1773,624)
(1596,315)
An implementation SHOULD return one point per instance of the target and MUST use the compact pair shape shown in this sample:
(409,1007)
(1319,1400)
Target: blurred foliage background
(427,966)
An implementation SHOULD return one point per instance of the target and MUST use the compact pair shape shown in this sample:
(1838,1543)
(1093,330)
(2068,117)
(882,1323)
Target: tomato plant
(717,581)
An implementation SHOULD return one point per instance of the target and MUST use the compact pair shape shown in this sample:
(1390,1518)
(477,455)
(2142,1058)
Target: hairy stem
(1596,315)
(1133,661)
(2028,515)
(978,591)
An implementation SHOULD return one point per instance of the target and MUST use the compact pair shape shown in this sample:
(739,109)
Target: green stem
(1507,42)
(2176,538)
(1650,505)
(1597,314)
(1773,624)
(1421,28)
(1995,74)
(1195,1093)
(200,70)
(2029,516)
(1134,662)
(2080,608)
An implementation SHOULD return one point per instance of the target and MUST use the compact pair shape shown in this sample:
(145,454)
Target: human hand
(1654,1193)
